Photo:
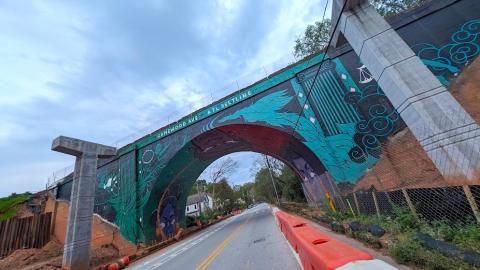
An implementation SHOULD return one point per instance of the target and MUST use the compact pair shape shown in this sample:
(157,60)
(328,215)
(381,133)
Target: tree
(263,186)
(287,182)
(313,40)
(199,186)
(244,192)
(220,170)
(391,8)
(226,196)
(292,189)
(316,35)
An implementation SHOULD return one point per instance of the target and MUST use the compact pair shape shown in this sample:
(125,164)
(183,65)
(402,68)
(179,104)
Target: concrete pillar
(76,253)
(444,129)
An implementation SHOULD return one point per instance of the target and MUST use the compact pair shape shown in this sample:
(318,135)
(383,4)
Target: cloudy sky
(109,73)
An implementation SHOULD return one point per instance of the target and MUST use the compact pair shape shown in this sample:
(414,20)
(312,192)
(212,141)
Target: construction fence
(28,232)
(404,176)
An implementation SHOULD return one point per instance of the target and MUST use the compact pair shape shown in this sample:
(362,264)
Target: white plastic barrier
(367,265)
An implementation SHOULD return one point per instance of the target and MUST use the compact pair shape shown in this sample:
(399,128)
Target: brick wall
(103,232)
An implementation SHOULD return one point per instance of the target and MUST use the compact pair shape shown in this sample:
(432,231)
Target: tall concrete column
(76,253)
(443,128)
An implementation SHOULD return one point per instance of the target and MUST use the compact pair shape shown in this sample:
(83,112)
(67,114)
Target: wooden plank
(18,236)
(356,202)
(21,234)
(42,231)
(39,232)
(31,228)
(26,229)
(49,225)
(14,235)
(3,226)
(11,235)
(29,232)
(409,203)
(34,231)
(472,202)
(25,232)
(374,195)
(3,237)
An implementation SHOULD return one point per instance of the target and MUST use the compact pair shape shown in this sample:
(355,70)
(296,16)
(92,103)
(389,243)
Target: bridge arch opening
(164,211)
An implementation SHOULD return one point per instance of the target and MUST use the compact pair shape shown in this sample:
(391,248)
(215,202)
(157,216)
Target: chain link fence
(405,177)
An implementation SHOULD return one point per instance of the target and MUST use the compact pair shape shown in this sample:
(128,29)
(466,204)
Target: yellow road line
(205,263)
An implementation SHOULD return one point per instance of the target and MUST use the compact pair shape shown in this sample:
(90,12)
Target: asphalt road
(250,240)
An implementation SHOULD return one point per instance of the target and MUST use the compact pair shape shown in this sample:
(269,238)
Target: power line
(321,61)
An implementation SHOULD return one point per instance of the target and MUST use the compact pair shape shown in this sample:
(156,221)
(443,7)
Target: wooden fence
(29,232)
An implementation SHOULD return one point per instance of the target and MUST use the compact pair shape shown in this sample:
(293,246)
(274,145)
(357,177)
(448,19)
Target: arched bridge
(329,135)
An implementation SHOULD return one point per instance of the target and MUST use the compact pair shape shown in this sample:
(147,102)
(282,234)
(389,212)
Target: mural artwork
(329,130)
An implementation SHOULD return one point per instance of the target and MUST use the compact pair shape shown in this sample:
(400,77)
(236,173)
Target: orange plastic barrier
(317,251)
(288,225)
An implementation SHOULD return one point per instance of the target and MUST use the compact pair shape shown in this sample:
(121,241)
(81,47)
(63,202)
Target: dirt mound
(50,257)
(104,255)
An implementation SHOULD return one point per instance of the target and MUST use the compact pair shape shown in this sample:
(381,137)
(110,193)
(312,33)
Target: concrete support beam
(444,129)
(336,8)
(76,254)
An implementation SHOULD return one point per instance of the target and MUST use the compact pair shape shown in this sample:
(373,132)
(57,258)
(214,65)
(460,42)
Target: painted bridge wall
(335,138)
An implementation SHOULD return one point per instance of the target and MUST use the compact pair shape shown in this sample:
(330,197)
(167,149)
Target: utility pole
(271,177)
(198,195)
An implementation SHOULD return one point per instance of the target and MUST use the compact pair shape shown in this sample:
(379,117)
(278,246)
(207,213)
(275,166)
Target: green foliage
(337,216)
(314,39)
(403,226)
(199,186)
(405,221)
(190,221)
(316,35)
(263,187)
(245,193)
(291,186)
(407,249)
(224,196)
(7,204)
(465,236)
(209,214)
(391,8)
(8,214)
(288,185)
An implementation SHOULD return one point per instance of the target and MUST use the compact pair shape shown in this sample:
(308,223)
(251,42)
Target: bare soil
(50,257)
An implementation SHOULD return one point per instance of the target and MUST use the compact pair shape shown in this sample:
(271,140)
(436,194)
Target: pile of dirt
(104,255)
(50,257)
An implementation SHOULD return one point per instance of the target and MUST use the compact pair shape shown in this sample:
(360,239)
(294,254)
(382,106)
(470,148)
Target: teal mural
(447,60)
(113,198)
(329,130)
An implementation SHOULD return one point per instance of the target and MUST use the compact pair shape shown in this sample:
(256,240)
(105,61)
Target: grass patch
(403,226)
(7,204)
(407,249)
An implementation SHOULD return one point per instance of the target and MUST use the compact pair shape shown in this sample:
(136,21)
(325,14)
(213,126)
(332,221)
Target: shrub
(190,221)
(407,249)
